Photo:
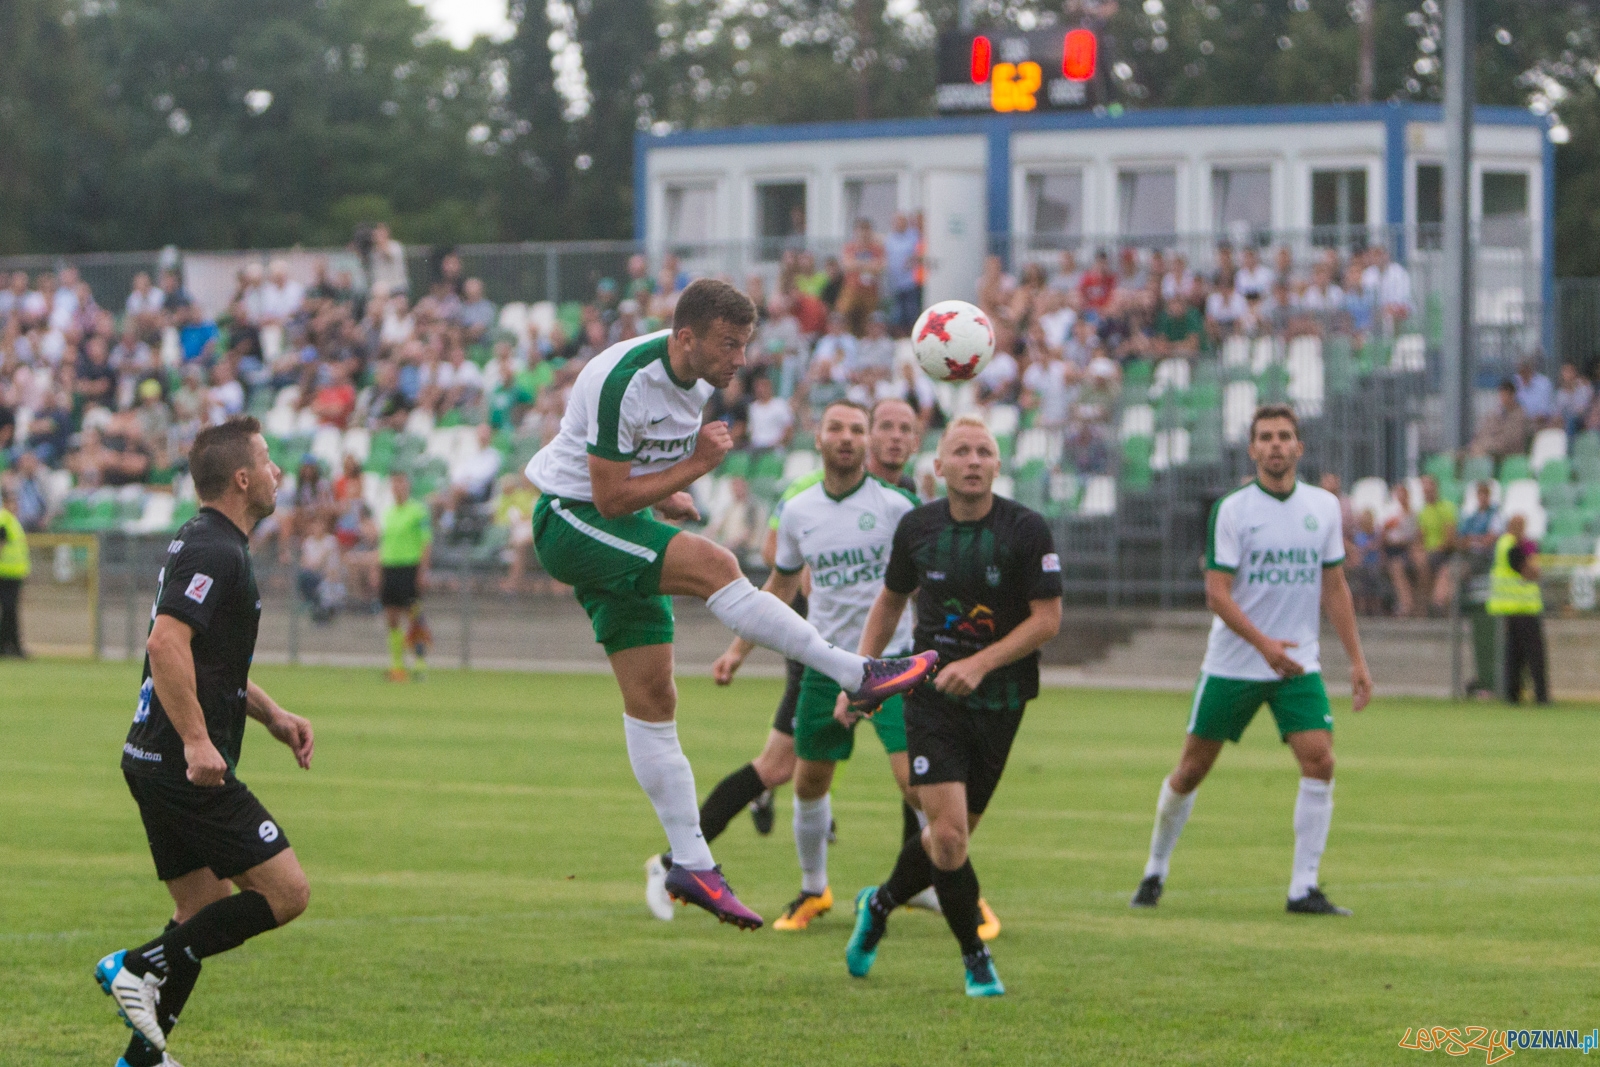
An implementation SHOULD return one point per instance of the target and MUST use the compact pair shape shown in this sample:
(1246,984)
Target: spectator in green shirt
(1179,330)
(1437,521)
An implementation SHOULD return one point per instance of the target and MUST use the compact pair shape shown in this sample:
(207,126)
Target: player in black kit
(205,828)
(988,585)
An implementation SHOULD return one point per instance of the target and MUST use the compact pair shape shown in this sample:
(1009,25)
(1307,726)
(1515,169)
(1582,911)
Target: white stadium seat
(1469,503)
(1238,408)
(1099,496)
(1004,419)
(1263,354)
(799,463)
(1547,445)
(1171,373)
(1236,352)
(1035,444)
(1138,420)
(1307,384)
(325,445)
(1521,496)
(1171,449)
(1410,353)
(1369,494)
(279,422)
(1005,486)
(357,443)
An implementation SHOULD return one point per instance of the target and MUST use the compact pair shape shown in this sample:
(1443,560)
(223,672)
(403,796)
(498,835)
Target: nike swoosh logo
(714,894)
(661,419)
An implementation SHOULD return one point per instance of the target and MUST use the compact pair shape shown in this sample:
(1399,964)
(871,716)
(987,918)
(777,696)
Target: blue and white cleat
(166,1061)
(862,950)
(982,981)
(135,996)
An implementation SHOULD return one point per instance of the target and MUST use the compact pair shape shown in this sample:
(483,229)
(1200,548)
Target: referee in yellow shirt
(14,568)
(405,543)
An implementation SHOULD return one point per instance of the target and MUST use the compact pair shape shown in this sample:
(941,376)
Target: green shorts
(1223,707)
(614,568)
(819,736)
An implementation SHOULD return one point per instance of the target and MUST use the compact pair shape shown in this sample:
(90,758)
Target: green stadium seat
(1555,472)
(1586,444)
(186,510)
(1477,469)
(1567,522)
(1557,494)
(1589,496)
(1586,468)
(768,466)
(735,465)
(1572,545)
(1515,468)
(1442,466)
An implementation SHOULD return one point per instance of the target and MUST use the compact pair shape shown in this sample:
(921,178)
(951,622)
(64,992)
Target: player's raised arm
(618,493)
(882,620)
(172,673)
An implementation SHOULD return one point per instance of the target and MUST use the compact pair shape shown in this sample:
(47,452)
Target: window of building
(1241,202)
(1505,209)
(1339,206)
(781,207)
(1147,203)
(1430,205)
(691,213)
(873,199)
(1055,208)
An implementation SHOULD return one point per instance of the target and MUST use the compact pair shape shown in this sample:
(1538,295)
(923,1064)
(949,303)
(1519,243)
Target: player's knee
(949,842)
(290,900)
(1317,765)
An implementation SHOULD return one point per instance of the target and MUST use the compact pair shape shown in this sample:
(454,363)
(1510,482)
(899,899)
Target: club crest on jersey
(1050,563)
(199,588)
(992,575)
(1311,522)
(867,521)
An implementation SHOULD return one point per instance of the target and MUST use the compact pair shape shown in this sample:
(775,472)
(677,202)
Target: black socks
(913,872)
(958,897)
(910,825)
(731,796)
(217,927)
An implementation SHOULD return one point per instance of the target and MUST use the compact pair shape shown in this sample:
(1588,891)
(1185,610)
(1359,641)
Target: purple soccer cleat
(883,678)
(711,891)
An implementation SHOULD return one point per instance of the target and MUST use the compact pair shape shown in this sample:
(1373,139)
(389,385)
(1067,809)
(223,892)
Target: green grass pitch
(475,846)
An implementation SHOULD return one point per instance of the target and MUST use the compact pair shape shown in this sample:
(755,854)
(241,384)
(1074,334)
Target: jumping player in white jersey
(632,440)
(1273,565)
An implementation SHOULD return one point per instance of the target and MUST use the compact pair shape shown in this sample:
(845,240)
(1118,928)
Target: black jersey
(209,585)
(974,583)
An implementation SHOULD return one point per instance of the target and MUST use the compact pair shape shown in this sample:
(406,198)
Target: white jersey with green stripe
(1276,548)
(845,541)
(628,406)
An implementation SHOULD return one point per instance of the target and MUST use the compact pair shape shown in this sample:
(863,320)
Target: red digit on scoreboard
(1077,55)
(980,60)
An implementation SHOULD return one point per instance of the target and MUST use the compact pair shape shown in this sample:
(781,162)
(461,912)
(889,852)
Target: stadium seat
(1171,374)
(159,509)
(325,446)
(279,422)
(1477,469)
(1099,496)
(1171,449)
(1410,353)
(1236,352)
(1441,465)
(1138,420)
(1586,445)
(513,319)
(357,443)
(1065,488)
(1037,445)
(1557,494)
(1307,385)
(1556,472)
(1547,445)
(1238,407)
(1004,420)
(1515,468)
(1566,522)
(1369,494)
(420,422)
(1263,354)
(800,462)
(1521,497)
(1005,486)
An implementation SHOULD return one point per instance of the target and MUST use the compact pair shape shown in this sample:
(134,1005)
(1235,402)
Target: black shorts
(783,721)
(188,827)
(949,742)
(399,587)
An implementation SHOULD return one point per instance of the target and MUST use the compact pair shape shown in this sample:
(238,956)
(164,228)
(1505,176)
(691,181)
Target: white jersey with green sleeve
(794,489)
(1276,548)
(626,405)
(845,541)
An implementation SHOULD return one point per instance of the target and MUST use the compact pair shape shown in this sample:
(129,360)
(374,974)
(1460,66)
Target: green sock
(397,649)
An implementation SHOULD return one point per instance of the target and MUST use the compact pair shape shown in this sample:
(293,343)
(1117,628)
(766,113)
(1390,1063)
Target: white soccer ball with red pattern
(953,341)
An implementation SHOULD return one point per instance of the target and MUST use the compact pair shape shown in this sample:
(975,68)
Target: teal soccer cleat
(982,981)
(862,950)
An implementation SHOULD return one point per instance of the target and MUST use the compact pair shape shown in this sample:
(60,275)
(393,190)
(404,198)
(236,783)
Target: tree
(536,168)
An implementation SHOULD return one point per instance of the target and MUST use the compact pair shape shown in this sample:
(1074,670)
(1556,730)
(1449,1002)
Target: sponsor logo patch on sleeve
(1050,563)
(199,588)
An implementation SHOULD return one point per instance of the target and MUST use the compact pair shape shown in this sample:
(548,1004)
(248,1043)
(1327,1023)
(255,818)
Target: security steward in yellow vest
(1514,595)
(13,569)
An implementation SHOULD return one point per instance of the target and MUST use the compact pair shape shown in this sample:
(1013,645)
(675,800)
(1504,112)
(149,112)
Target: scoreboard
(1015,70)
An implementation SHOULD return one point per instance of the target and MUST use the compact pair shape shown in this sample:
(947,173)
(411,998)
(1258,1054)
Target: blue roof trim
(998,180)
(1085,120)
(641,184)
(1394,171)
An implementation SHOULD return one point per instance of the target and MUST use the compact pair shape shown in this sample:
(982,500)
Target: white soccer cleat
(168,1061)
(927,900)
(655,889)
(136,997)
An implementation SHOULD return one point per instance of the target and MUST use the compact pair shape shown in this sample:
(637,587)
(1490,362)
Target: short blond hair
(968,421)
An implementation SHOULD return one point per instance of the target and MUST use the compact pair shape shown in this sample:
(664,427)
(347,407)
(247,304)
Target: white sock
(664,772)
(811,819)
(762,618)
(1172,811)
(1313,814)
(922,818)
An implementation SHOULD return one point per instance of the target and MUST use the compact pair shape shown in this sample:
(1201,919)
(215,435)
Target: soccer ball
(953,341)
